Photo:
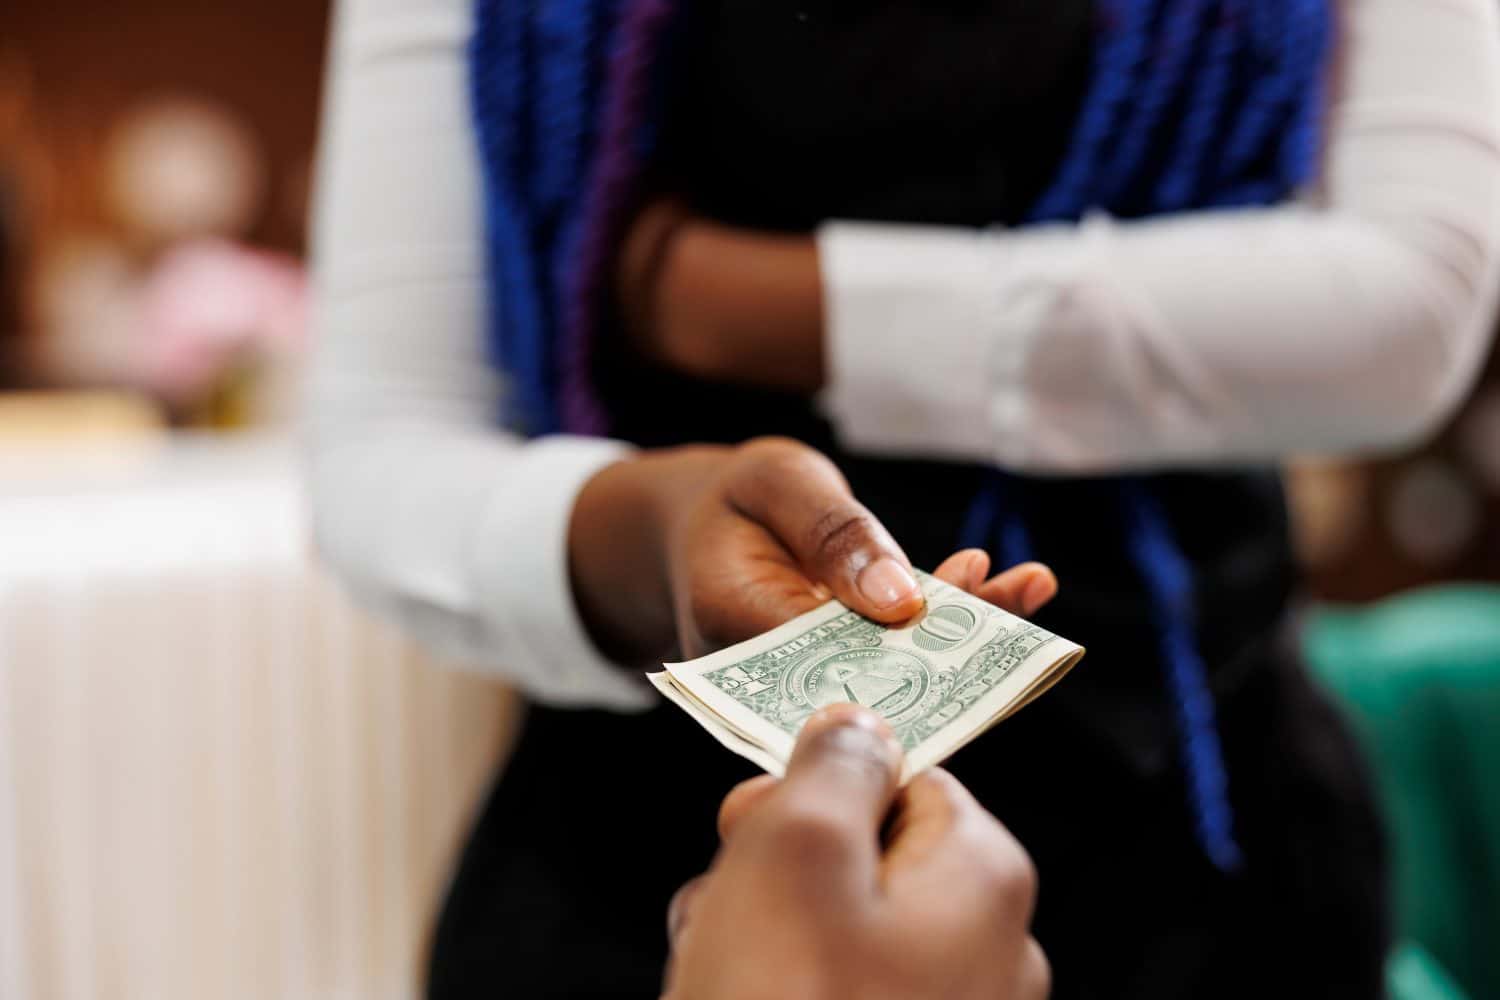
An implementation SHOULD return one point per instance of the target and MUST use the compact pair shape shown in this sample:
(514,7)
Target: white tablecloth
(216,778)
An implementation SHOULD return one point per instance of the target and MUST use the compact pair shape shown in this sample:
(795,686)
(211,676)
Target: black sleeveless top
(943,111)
(790,112)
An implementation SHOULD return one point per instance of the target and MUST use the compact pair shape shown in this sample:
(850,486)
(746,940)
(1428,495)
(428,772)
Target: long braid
(500,92)
(631,94)
(1268,104)
(1244,78)
(1119,51)
(1183,181)
(1170,59)
(1302,146)
(1169,579)
(579,31)
(566,33)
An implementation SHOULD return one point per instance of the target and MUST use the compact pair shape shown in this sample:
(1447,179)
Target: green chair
(1419,676)
(1413,974)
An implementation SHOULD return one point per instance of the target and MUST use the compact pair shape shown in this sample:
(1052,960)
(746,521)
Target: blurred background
(217,779)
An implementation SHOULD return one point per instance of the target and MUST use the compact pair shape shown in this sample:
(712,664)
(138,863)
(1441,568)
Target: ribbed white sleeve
(1353,320)
(432,515)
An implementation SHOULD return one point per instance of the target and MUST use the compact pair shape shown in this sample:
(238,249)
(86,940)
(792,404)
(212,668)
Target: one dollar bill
(940,680)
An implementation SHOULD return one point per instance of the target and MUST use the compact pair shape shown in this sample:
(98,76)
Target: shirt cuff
(524,584)
(919,364)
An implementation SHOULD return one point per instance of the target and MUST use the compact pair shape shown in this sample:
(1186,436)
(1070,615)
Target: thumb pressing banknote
(940,680)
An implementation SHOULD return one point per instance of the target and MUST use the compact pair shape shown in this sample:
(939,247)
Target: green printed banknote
(940,680)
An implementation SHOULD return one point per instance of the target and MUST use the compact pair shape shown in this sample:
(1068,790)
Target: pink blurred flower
(209,306)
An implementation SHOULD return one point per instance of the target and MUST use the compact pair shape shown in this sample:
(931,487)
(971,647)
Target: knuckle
(839,532)
(991,875)
(806,831)
(778,459)
(940,799)
(1004,869)
(770,453)
(1018,882)
(1025,883)
(1037,972)
(941,787)
(981,832)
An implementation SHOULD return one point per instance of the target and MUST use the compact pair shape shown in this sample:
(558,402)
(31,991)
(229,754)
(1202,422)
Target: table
(217,778)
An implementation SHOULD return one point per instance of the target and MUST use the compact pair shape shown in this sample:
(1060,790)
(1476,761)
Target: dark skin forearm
(726,304)
(757,297)
(690,549)
(617,550)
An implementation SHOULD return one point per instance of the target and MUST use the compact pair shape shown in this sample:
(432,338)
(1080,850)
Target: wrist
(695,291)
(743,306)
(618,548)
(643,261)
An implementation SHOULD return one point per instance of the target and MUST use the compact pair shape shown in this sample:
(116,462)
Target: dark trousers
(562,890)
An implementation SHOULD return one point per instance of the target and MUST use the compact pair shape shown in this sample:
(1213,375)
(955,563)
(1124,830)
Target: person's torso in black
(940,111)
(791,112)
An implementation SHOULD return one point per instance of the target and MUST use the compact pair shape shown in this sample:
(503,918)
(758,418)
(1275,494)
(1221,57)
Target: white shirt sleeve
(1353,320)
(430,513)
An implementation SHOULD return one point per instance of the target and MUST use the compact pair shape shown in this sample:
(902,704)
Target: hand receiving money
(808,900)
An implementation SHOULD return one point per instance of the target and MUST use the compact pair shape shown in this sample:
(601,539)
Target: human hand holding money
(700,548)
(939,680)
(848,886)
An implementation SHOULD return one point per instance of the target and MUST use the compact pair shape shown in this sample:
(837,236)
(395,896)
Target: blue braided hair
(1192,104)
(563,95)
(501,84)
(537,89)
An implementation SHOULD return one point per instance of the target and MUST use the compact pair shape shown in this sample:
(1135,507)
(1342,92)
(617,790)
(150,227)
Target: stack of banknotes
(940,680)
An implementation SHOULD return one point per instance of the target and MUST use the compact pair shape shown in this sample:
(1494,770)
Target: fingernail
(886,583)
(675,914)
(848,716)
(677,909)
(853,729)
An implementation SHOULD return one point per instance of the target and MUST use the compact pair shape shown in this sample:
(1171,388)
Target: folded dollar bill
(939,680)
